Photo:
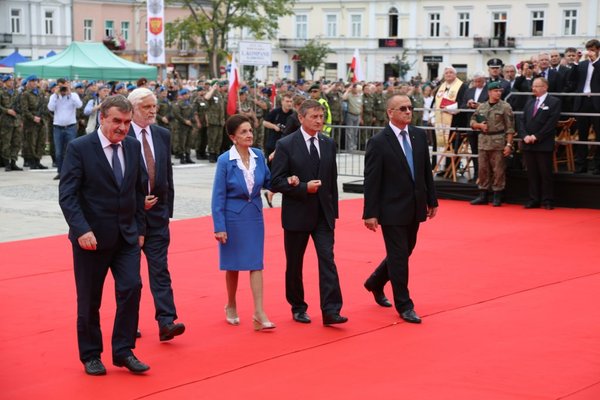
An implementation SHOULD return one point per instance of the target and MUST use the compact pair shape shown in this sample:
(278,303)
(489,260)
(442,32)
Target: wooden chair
(564,134)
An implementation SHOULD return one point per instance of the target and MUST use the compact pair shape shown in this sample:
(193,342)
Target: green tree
(313,55)
(401,66)
(210,21)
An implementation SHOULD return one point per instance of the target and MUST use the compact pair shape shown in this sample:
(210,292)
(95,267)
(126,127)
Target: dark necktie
(408,152)
(150,165)
(116,164)
(314,157)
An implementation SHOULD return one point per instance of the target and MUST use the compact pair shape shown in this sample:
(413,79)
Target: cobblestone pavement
(29,199)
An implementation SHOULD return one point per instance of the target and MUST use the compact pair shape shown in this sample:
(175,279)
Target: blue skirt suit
(239,213)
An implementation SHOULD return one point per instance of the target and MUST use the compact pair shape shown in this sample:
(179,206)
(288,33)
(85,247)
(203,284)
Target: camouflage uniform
(183,111)
(215,116)
(48,120)
(33,132)
(379,109)
(501,122)
(10,127)
(334,98)
(200,107)
(164,109)
(259,130)
(417,102)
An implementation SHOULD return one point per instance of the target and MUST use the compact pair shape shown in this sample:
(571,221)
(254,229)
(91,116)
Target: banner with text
(255,53)
(156,32)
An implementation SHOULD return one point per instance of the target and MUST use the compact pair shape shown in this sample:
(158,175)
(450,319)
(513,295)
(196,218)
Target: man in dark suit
(399,194)
(538,128)
(156,154)
(309,209)
(585,78)
(102,199)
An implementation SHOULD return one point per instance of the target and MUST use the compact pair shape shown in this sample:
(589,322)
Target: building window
(15,20)
(355,25)
(499,21)
(301,26)
(125,30)
(570,24)
(393,22)
(464,20)
(109,28)
(434,25)
(537,23)
(331,25)
(49,22)
(88,26)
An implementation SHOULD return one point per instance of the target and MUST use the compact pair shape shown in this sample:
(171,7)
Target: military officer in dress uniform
(495,122)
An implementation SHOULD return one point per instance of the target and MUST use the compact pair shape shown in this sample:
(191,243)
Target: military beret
(78,85)
(314,86)
(495,63)
(131,86)
(6,78)
(183,91)
(90,83)
(161,89)
(104,87)
(51,85)
(244,90)
(214,81)
(494,85)
(300,82)
(32,78)
(224,83)
(119,86)
(267,91)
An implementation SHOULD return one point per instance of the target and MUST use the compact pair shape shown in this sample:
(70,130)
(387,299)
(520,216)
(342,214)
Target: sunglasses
(403,108)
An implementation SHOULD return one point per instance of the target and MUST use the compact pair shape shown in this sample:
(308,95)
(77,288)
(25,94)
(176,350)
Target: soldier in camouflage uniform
(495,122)
(183,113)
(245,106)
(164,114)
(368,115)
(33,123)
(262,106)
(333,96)
(215,117)
(48,118)
(200,107)
(379,108)
(10,125)
(82,119)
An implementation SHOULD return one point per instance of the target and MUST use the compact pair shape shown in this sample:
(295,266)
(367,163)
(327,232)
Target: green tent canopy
(84,61)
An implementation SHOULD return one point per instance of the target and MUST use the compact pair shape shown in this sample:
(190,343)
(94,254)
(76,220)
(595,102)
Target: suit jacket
(230,192)
(470,95)
(391,194)
(543,125)
(577,79)
(91,199)
(159,214)
(300,209)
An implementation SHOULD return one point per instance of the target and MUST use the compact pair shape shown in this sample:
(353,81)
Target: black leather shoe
(57,177)
(138,334)
(379,297)
(301,317)
(132,364)
(333,319)
(532,204)
(548,205)
(410,316)
(94,366)
(171,330)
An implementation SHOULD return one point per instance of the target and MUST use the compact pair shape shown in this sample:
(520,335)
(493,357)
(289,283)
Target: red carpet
(508,296)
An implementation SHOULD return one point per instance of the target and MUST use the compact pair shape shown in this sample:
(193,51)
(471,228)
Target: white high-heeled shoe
(231,320)
(260,325)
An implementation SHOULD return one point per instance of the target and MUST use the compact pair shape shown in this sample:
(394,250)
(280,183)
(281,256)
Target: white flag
(355,66)
(156,32)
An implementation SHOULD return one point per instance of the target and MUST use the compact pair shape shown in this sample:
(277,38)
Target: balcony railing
(292,43)
(494,42)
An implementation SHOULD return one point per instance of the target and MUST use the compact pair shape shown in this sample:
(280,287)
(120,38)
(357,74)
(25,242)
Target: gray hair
(138,95)
(479,74)
(450,67)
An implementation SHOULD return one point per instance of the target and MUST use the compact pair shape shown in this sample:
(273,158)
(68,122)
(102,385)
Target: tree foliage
(210,22)
(313,55)
(401,66)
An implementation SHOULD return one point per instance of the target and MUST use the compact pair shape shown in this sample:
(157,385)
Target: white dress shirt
(108,151)
(307,137)
(399,136)
(64,108)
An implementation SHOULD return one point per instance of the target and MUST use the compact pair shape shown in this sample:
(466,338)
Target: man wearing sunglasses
(399,195)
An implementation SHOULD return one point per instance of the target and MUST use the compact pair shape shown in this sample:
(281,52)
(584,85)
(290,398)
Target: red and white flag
(273,95)
(355,67)
(234,87)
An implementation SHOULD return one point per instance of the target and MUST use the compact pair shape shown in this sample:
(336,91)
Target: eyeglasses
(402,109)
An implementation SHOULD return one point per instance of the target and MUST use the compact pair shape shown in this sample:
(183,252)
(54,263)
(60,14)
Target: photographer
(64,104)
(275,122)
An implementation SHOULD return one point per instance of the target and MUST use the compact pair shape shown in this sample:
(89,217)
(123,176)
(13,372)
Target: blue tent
(12,59)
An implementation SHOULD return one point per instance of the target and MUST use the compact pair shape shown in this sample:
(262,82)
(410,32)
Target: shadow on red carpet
(507,296)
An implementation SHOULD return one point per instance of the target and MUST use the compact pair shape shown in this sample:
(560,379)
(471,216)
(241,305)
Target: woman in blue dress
(237,217)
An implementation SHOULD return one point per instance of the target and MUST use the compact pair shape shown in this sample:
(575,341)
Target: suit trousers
(329,285)
(400,240)
(156,247)
(539,175)
(91,268)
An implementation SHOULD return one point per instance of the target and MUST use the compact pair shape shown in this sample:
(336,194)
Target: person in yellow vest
(449,94)
(315,94)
